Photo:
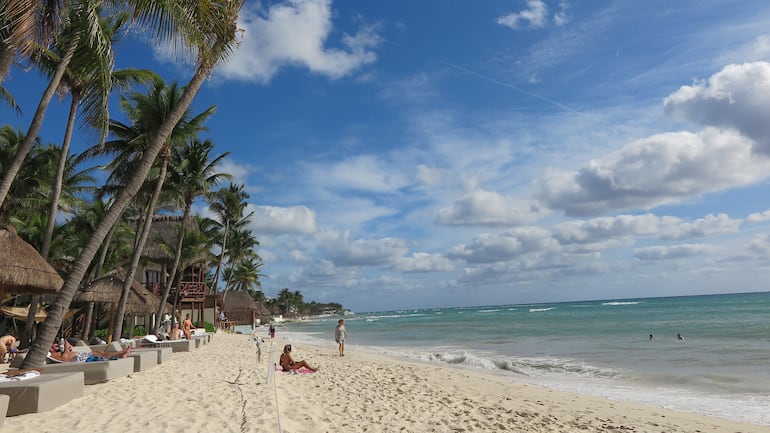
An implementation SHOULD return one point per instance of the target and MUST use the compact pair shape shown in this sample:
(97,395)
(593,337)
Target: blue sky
(408,154)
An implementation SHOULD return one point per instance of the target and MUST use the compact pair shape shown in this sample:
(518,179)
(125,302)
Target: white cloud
(504,246)
(662,169)
(491,209)
(363,173)
(760,246)
(673,252)
(342,250)
(535,16)
(424,262)
(562,17)
(757,217)
(295,33)
(736,97)
(271,220)
(239,172)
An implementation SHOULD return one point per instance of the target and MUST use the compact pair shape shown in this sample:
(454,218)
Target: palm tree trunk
(137,254)
(37,122)
(105,249)
(44,250)
(177,259)
(36,356)
(221,257)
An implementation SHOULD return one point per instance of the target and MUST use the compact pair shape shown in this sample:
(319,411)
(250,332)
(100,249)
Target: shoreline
(222,387)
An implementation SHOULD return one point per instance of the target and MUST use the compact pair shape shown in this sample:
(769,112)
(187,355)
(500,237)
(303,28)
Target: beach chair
(41,393)
(93,372)
(4,400)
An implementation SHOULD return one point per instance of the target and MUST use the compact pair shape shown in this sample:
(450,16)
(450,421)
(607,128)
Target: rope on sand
(271,377)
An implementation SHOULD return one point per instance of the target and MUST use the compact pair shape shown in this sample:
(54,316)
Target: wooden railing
(192,289)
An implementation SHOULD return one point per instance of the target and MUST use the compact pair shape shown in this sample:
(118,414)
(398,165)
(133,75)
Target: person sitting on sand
(176,333)
(69,355)
(288,364)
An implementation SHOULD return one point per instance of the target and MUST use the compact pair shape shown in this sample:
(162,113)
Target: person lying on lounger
(69,355)
(288,364)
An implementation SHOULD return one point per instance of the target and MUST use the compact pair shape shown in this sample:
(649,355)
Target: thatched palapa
(22,269)
(107,289)
(240,308)
(164,231)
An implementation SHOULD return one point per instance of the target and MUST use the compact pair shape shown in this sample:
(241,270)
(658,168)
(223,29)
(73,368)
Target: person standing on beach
(187,327)
(340,333)
(272,331)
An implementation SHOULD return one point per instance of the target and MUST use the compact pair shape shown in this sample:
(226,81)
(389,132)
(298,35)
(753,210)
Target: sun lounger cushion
(42,393)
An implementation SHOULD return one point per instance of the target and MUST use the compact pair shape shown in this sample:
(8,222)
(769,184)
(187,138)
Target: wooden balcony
(188,290)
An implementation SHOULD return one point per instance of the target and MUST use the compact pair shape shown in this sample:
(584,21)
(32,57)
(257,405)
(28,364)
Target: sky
(415,154)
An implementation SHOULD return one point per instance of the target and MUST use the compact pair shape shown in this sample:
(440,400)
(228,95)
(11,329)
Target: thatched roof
(22,269)
(239,301)
(163,231)
(108,287)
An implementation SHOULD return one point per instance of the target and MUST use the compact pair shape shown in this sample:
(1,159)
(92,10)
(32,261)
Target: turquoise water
(601,348)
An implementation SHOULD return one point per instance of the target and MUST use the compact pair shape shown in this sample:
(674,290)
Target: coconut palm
(147,112)
(228,205)
(81,24)
(210,28)
(192,175)
(87,90)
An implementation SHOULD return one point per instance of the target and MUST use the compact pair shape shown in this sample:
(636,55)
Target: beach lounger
(4,400)
(42,393)
(175,345)
(163,353)
(93,372)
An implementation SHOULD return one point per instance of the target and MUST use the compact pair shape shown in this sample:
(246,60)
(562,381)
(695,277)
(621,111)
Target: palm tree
(242,244)
(147,113)
(82,24)
(228,204)
(192,175)
(86,89)
(211,28)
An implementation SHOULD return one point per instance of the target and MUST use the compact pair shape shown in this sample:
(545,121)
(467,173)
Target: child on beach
(340,333)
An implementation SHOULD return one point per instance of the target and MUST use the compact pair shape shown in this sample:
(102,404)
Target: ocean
(603,348)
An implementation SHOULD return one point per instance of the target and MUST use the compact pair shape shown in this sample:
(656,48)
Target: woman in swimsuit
(288,364)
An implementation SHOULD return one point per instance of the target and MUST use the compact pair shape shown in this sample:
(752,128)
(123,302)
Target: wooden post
(112,322)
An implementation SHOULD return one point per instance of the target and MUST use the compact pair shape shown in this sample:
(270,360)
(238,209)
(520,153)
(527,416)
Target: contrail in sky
(483,77)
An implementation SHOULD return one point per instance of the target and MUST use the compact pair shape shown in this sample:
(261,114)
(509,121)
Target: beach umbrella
(22,269)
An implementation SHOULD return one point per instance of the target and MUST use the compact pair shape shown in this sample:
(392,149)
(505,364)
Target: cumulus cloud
(757,217)
(760,246)
(661,169)
(673,252)
(504,246)
(491,209)
(364,173)
(271,220)
(424,262)
(562,17)
(342,250)
(736,97)
(604,229)
(535,16)
(295,33)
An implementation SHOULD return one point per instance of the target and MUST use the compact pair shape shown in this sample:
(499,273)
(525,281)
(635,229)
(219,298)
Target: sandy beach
(222,387)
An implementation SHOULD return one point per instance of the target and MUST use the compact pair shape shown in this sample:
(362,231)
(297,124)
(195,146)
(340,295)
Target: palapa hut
(240,308)
(156,269)
(107,289)
(22,269)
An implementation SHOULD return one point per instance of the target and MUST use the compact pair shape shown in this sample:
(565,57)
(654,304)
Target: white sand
(221,388)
